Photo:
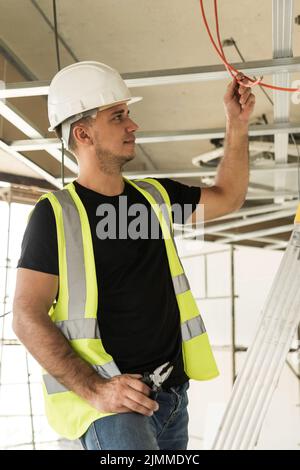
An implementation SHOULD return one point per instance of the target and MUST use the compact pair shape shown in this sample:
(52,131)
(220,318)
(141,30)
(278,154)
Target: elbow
(21,328)
(238,203)
(237,200)
(16,325)
(231,199)
(233,204)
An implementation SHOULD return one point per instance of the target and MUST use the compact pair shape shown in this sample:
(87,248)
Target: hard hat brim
(132,100)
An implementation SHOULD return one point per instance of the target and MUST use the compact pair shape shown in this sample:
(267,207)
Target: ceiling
(136,36)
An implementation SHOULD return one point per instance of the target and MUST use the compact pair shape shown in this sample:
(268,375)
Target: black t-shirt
(137,313)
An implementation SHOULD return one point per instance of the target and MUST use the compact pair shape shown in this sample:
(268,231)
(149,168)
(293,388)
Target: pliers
(158,377)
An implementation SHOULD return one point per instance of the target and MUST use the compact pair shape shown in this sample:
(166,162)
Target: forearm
(233,172)
(34,295)
(120,394)
(53,352)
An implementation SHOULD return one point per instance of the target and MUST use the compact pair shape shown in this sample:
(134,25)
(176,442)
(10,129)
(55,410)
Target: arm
(34,295)
(230,188)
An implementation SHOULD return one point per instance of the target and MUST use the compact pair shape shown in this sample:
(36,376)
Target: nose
(131,126)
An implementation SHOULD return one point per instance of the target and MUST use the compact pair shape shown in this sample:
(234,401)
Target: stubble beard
(110,163)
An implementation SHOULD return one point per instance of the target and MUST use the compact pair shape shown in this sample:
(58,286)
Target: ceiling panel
(134,36)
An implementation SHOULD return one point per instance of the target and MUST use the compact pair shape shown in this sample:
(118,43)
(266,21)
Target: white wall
(254,273)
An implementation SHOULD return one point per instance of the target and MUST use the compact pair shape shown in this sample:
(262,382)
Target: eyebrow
(120,111)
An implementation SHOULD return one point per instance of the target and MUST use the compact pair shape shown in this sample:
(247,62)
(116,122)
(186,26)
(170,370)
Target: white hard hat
(81,89)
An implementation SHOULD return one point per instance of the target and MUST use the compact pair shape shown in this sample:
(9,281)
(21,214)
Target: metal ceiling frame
(280,67)
(279,245)
(22,158)
(282,29)
(233,238)
(244,214)
(261,209)
(215,229)
(11,114)
(170,136)
(270,212)
(203,172)
(171,76)
(255,148)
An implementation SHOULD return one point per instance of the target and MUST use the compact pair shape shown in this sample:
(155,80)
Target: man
(110,316)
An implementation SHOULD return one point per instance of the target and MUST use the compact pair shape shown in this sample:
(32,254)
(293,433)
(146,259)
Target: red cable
(221,54)
(222,51)
(253,82)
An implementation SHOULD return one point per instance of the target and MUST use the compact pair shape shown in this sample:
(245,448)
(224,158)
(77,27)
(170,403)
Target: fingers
(138,393)
(247,100)
(137,384)
(127,393)
(231,89)
(239,100)
(140,403)
(243,89)
(242,81)
(132,406)
(136,396)
(245,95)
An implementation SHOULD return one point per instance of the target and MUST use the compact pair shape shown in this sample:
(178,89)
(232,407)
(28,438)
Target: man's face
(113,134)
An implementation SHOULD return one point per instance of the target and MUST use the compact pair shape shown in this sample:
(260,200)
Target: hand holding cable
(239,100)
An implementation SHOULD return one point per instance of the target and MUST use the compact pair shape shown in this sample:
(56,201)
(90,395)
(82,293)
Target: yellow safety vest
(75,311)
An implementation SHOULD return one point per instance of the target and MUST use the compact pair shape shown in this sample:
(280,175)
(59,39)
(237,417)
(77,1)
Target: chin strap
(62,163)
(66,125)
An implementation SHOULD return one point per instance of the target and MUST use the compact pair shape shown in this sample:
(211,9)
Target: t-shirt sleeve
(39,246)
(187,198)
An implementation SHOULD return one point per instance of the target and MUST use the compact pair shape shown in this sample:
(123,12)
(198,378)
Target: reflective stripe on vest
(158,199)
(181,284)
(53,386)
(74,254)
(76,327)
(109,369)
(81,328)
(192,328)
(195,326)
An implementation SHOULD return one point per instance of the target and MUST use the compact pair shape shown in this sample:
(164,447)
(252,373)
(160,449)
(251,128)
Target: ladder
(258,379)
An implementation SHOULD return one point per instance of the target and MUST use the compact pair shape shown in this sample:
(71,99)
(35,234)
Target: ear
(82,134)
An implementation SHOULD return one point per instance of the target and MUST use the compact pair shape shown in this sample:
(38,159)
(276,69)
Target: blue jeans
(166,429)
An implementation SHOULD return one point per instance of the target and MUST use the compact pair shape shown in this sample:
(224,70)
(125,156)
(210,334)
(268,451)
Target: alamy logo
(139,221)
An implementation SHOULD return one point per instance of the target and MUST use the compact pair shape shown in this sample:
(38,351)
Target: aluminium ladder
(254,386)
